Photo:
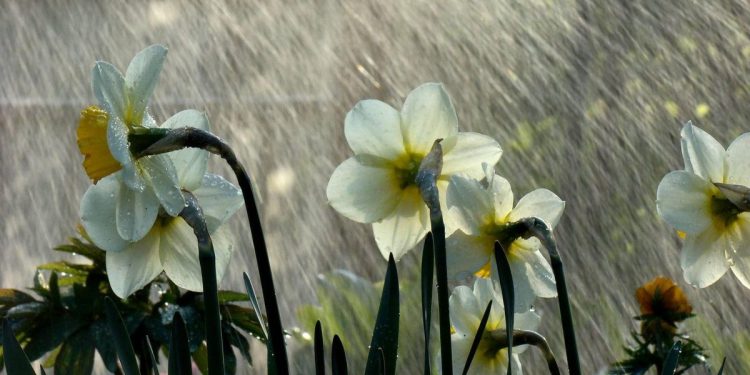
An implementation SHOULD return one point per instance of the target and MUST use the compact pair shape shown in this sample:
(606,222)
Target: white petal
(502,197)
(219,200)
(465,311)
(469,204)
(142,76)
(405,227)
(427,115)
(136,212)
(109,88)
(131,269)
(119,146)
(485,291)
(466,255)
(537,270)
(703,154)
(703,257)
(190,163)
(684,201)
(465,152)
(363,193)
(160,172)
(540,203)
(738,161)
(740,253)
(179,254)
(523,293)
(374,128)
(460,348)
(528,321)
(98,214)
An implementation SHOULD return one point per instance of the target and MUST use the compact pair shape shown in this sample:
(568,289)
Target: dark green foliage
(428,266)
(179,353)
(66,316)
(18,363)
(320,365)
(670,364)
(646,355)
(384,345)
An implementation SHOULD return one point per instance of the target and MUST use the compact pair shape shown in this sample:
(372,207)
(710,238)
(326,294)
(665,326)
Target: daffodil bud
(429,171)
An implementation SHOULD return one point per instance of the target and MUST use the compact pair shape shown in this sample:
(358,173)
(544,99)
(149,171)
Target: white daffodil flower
(378,186)
(482,213)
(103,140)
(717,232)
(169,244)
(467,307)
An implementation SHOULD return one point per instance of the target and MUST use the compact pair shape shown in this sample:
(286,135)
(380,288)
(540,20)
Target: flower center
(92,142)
(723,210)
(406,169)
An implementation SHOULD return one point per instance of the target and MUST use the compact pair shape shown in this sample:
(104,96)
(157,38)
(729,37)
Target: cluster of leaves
(645,355)
(66,317)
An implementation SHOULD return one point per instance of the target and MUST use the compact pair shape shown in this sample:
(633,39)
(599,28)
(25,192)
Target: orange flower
(662,298)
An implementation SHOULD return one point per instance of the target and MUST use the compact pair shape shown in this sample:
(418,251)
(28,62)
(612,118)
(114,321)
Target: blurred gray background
(586,98)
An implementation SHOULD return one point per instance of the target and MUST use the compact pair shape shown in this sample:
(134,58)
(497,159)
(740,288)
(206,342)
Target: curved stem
(522,337)
(190,137)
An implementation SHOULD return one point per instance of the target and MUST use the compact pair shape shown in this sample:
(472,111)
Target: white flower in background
(169,244)
(482,213)
(377,185)
(103,140)
(717,232)
(466,310)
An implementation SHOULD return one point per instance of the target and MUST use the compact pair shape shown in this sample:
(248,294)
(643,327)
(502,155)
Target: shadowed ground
(586,98)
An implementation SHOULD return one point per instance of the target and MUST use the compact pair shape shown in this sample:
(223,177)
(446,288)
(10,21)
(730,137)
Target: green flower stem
(190,137)
(193,215)
(540,230)
(521,337)
(426,180)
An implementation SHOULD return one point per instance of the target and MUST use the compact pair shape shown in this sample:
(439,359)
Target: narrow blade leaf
(254,302)
(338,357)
(16,362)
(121,338)
(320,365)
(152,355)
(179,352)
(670,363)
(721,369)
(385,335)
(477,338)
(509,300)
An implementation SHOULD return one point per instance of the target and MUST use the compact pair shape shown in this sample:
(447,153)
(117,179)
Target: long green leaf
(672,360)
(320,364)
(478,338)
(179,352)
(254,303)
(428,267)
(338,357)
(721,369)
(121,338)
(16,362)
(384,342)
(152,356)
(509,299)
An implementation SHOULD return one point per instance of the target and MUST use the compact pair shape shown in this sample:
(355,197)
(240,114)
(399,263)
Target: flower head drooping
(466,309)
(149,183)
(697,202)
(169,244)
(483,215)
(378,185)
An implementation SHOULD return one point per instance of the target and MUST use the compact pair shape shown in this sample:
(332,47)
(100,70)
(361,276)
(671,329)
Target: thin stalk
(522,337)
(426,180)
(193,215)
(539,229)
(191,137)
